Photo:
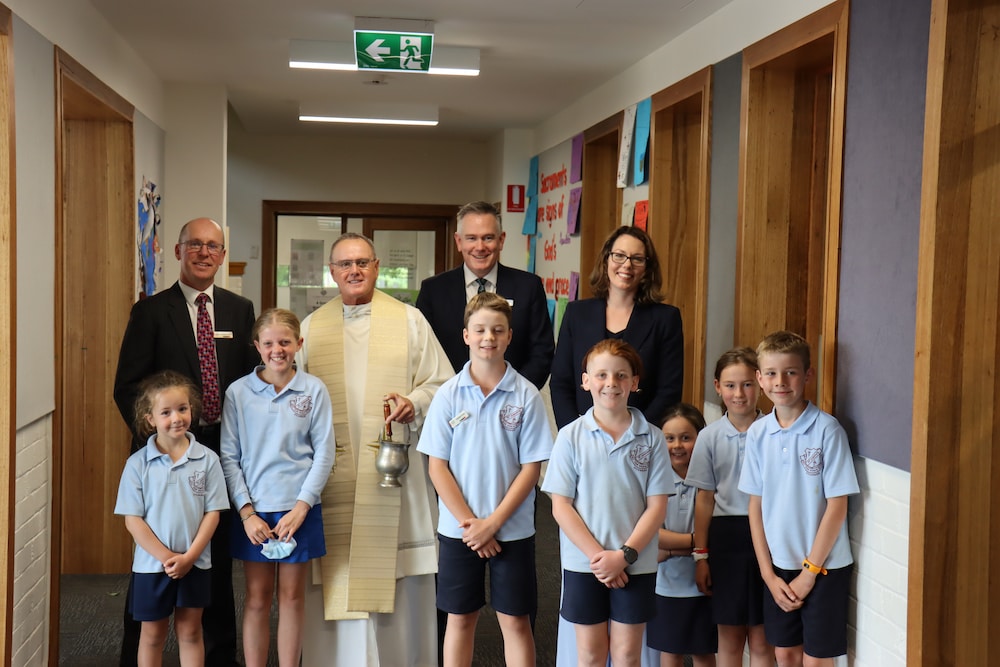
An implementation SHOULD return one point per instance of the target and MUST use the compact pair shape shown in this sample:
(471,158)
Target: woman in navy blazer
(626,283)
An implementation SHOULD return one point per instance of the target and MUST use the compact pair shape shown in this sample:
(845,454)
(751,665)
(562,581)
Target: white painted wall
(32,538)
(37,26)
(879,526)
(729,30)
(195,182)
(408,168)
(35,146)
(77,28)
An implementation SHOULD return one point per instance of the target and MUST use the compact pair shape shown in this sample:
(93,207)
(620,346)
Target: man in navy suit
(443,297)
(161,336)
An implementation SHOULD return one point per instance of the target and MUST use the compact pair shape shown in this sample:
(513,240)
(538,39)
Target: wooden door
(791,156)
(95,274)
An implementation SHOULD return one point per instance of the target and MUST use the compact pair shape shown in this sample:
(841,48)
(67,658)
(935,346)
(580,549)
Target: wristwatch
(631,555)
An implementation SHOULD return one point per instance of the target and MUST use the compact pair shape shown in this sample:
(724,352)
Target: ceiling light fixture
(371,114)
(340,56)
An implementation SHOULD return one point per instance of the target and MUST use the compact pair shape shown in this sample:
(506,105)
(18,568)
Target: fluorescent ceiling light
(368,121)
(377,114)
(312,54)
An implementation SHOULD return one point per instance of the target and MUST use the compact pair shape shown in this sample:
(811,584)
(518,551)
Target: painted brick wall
(879,522)
(32,520)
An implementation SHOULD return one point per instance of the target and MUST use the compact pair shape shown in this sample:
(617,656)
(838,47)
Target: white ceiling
(537,56)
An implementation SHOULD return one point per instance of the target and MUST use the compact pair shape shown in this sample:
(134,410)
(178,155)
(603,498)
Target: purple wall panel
(883,147)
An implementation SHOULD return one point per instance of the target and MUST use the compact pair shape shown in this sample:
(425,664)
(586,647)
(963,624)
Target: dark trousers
(218,621)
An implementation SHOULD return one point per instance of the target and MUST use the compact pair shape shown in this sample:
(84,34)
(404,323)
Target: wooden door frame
(830,21)
(952,598)
(8,334)
(600,214)
(79,95)
(272,208)
(685,92)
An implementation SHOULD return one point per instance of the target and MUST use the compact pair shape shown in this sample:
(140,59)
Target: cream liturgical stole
(360,519)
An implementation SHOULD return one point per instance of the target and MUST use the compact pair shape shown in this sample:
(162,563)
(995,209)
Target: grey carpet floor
(90,619)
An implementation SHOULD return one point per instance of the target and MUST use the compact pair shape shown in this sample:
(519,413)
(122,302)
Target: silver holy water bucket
(392,460)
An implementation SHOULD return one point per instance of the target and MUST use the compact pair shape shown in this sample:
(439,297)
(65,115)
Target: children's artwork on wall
(149,251)
(530,217)
(574,285)
(625,148)
(556,221)
(573,217)
(628,212)
(641,214)
(532,177)
(532,243)
(642,114)
(576,160)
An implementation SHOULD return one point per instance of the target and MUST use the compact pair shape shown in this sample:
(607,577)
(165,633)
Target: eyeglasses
(620,257)
(346,264)
(212,247)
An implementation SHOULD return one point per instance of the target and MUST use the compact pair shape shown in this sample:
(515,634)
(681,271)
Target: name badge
(458,419)
(223,334)
(510,302)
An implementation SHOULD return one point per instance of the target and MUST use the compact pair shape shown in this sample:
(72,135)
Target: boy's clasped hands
(478,535)
(609,568)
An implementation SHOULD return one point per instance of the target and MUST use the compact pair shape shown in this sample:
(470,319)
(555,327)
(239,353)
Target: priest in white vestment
(368,347)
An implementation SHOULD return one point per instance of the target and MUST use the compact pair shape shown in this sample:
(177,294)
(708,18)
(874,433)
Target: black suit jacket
(442,301)
(159,336)
(654,330)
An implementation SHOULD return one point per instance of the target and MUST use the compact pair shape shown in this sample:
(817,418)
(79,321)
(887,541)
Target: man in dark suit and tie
(162,335)
(443,297)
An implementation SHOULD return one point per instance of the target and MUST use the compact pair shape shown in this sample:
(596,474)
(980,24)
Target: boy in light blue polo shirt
(609,477)
(799,471)
(486,434)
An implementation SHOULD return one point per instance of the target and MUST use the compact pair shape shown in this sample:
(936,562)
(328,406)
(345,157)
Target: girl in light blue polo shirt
(277,452)
(609,476)
(683,624)
(171,493)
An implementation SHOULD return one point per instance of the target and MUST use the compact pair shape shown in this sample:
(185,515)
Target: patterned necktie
(209,364)
(482,285)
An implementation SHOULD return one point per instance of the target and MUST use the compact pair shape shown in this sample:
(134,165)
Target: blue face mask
(277,549)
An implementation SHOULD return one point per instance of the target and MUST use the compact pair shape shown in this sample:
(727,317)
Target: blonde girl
(277,452)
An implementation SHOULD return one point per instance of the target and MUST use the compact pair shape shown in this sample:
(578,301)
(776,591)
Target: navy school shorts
(586,601)
(154,595)
(820,624)
(461,578)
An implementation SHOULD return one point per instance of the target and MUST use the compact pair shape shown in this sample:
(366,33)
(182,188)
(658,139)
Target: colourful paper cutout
(574,284)
(576,161)
(642,114)
(533,177)
(625,147)
(573,216)
(560,306)
(628,210)
(641,214)
(530,225)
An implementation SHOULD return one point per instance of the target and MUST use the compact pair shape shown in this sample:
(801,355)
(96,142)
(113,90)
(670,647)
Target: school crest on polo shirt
(639,456)
(198,482)
(511,416)
(812,460)
(301,405)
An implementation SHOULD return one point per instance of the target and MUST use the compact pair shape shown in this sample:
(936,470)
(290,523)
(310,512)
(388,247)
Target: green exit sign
(398,51)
